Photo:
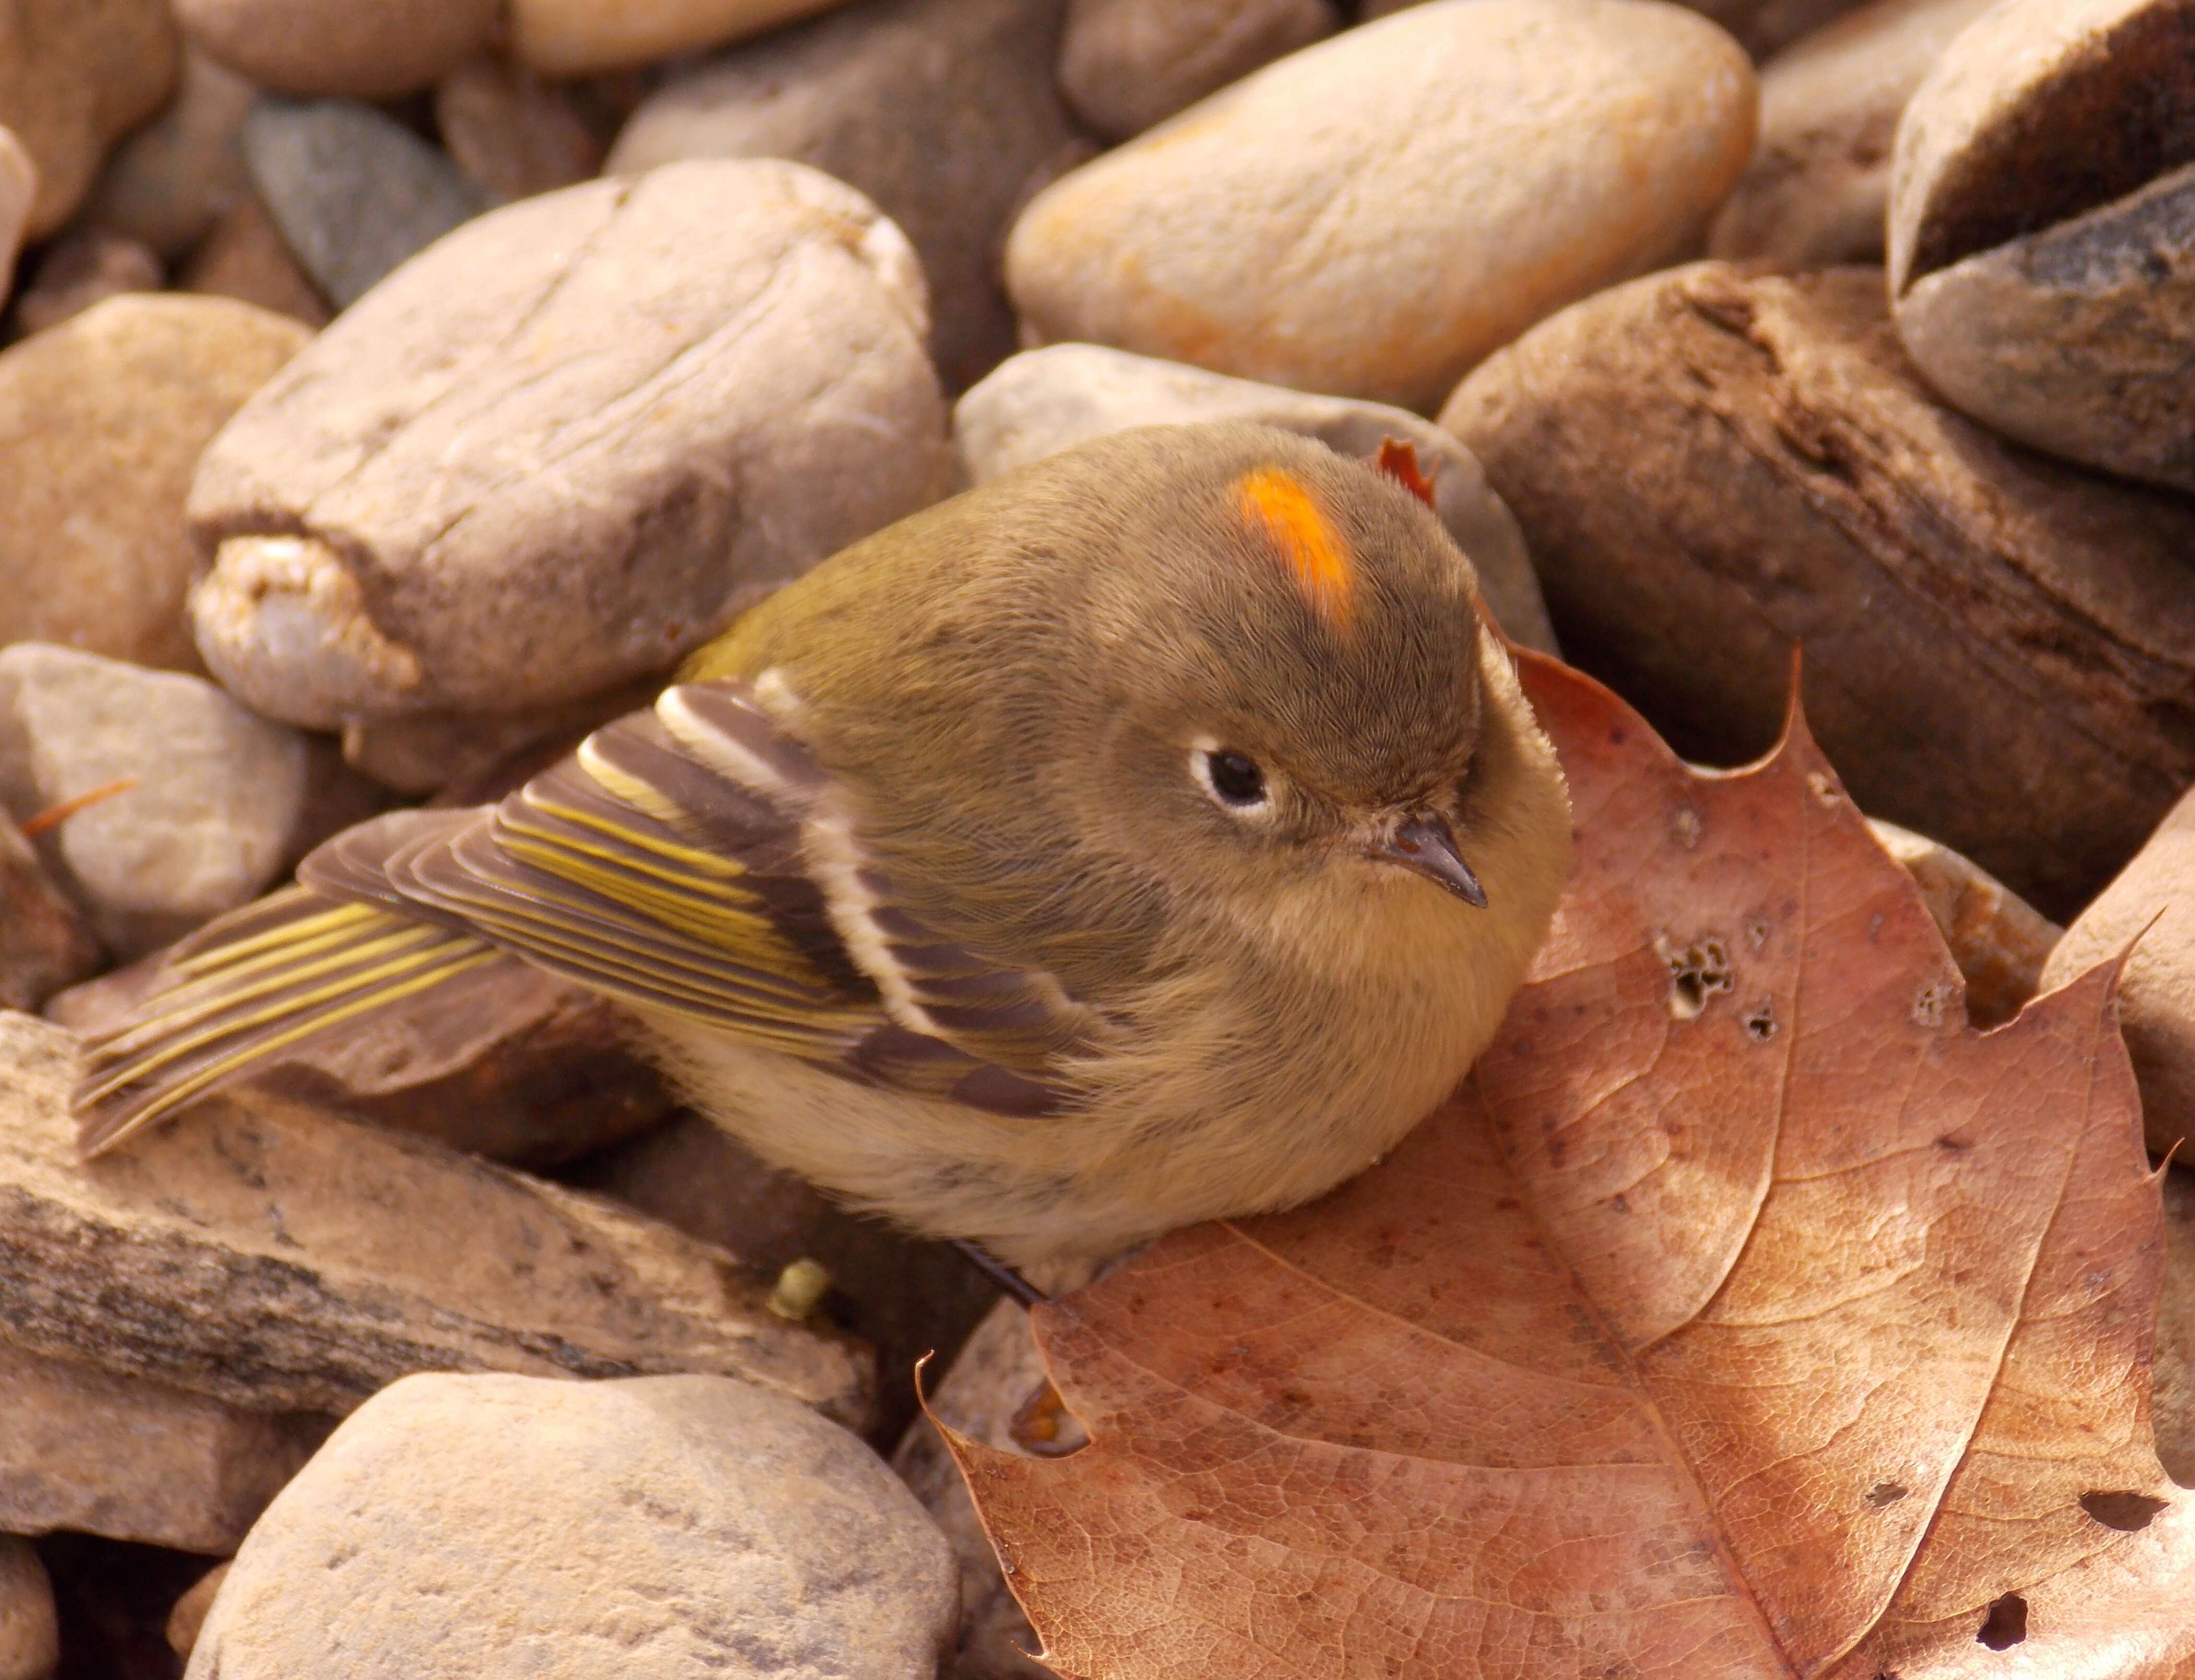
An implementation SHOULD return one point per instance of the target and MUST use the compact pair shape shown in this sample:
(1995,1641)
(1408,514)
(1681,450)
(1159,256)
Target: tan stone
(505,1061)
(367,49)
(101,421)
(498,1526)
(44,943)
(188,1618)
(579,38)
(1711,467)
(1763,27)
(84,265)
(276,1264)
(1126,64)
(2149,911)
(74,75)
(30,1627)
(170,180)
(83,1450)
(1043,401)
(1817,190)
(1997,938)
(2042,231)
(565,445)
(1372,216)
(997,1378)
(943,112)
(19,191)
(243,257)
(511,131)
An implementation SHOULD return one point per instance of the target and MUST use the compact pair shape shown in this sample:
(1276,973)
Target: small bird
(1149,836)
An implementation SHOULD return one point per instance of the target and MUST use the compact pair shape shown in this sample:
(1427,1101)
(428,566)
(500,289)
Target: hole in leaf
(1697,973)
(2006,1623)
(1886,1493)
(1045,1427)
(2122,1509)
(1928,1006)
(1760,1022)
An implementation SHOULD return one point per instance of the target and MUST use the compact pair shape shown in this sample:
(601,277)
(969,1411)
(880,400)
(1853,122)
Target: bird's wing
(695,859)
(692,859)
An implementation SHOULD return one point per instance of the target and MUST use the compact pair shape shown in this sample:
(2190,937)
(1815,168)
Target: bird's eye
(1229,777)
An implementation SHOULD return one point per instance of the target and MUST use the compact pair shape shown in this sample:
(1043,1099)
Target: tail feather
(268,978)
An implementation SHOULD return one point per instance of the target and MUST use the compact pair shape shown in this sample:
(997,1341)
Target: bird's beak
(1424,843)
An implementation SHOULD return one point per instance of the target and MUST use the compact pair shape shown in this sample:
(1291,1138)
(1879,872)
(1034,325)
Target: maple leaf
(1746,1313)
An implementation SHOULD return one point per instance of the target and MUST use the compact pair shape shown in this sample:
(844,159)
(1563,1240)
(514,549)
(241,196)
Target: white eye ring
(1228,778)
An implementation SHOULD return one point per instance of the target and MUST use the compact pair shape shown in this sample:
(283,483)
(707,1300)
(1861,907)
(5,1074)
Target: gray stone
(218,797)
(1126,64)
(493,1526)
(355,192)
(1043,401)
(30,1627)
(943,111)
(565,446)
(277,1263)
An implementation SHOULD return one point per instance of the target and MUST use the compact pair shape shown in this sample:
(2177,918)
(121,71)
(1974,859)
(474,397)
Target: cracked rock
(565,446)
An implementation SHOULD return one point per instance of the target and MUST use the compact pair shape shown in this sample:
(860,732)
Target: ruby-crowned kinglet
(1151,835)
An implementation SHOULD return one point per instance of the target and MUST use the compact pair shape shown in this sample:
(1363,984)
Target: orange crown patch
(1318,560)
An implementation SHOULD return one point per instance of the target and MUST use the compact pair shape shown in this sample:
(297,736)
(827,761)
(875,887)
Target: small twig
(1003,1275)
(55,815)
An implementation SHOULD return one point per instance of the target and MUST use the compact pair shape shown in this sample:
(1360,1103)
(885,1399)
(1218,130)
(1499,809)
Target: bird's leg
(1003,1275)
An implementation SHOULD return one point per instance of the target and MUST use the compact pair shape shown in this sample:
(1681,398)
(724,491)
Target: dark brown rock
(243,257)
(905,1296)
(45,944)
(1712,467)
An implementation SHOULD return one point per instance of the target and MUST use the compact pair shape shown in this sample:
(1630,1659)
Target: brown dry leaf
(1747,1314)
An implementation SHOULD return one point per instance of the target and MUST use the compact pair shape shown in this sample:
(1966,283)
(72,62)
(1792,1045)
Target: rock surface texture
(75,75)
(943,112)
(1043,401)
(215,806)
(2149,913)
(101,421)
(171,179)
(365,49)
(1525,153)
(29,1630)
(511,131)
(561,449)
(1817,190)
(2043,230)
(496,1526)
(578,38)
(86,1451)
(275,1264)
(1126,64)
(1997,648)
